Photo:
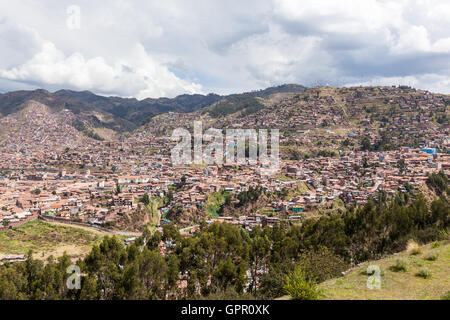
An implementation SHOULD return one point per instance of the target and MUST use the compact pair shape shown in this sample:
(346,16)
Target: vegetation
(432,257)
(439,183)
(86,130)
(216,202)
(300,286)
(399,266)
(41,237)
(424,273)
(235,103)
(413,248)
(395,284)
(145,199)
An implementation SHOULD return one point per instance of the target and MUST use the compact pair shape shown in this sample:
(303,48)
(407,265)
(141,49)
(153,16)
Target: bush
(399,266)
(432,257)
(435,244)
(424,273)
(300,286)
(322,264)
(413,248)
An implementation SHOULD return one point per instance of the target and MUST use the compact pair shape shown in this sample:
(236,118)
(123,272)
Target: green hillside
(397,283)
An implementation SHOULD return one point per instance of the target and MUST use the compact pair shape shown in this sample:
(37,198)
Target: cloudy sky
(165,48)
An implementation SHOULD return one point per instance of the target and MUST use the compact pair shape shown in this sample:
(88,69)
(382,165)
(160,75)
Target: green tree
(300,286)
(145,199)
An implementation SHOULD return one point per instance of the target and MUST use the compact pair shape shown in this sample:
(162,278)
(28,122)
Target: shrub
(300,286)
(399,266)
(413,248)
(435,244)
(424,273)
(432,257)
(321,264)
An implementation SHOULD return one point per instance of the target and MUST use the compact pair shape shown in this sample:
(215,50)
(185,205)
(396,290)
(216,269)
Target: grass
(413,248)
(399,266)
(153,214)
(424,273)
(284,178)
(214,202)
(47,239)
(299,189)
(432,257)
(413,278)
(267,211)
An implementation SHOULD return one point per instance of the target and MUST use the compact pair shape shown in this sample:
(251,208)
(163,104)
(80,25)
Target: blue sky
(166,48)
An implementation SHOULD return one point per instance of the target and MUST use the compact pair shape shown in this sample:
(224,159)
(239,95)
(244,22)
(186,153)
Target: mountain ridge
(386,115)
(124,114)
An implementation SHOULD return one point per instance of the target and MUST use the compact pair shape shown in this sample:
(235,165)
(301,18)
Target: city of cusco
(266,151)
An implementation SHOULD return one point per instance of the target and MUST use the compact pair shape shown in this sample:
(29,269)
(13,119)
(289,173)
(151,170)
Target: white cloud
(137,75)
(161,48)
(432,82)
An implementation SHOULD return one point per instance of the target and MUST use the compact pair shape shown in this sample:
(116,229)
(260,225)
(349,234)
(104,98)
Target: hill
(46,239)
(106,118)
(323,120)
(399,280)
(312,121)
(405,285)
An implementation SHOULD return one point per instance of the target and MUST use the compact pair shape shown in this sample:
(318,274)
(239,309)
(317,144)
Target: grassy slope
(47,239)
(397,285)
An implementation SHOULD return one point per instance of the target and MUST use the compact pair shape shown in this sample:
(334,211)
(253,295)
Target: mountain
(249,102)
(92,113)
(134,110)
(284,88)
(324,120)
(37,124)
(388,117)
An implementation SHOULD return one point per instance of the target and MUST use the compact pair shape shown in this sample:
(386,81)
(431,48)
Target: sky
(166,48)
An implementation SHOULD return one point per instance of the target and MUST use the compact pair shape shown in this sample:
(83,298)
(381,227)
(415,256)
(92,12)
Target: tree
(172,275)
(365,143)
(145,199)
(401,165)
(258,253)
(301,286)
(322,264)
